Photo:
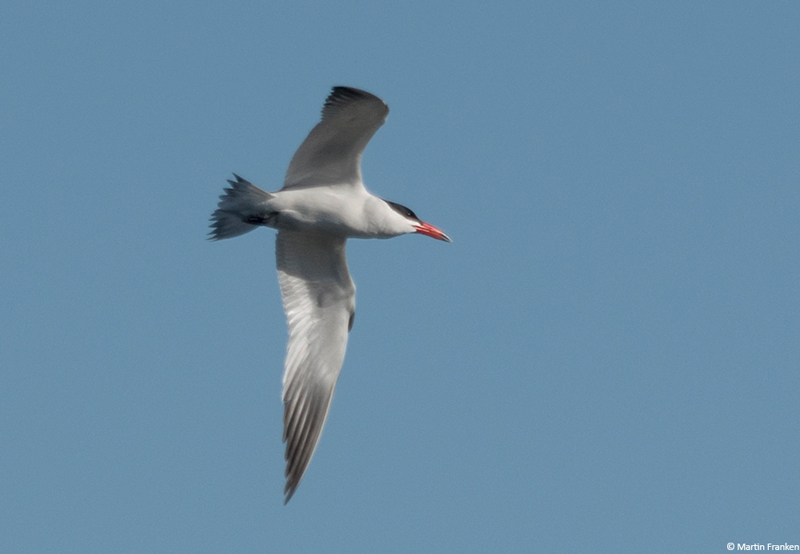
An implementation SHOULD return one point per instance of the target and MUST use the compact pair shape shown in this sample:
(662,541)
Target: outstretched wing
(319,299)
(331,154)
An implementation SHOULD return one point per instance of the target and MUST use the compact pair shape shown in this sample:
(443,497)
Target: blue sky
(606,358)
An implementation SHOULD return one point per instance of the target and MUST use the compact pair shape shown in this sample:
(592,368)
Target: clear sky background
(606,358)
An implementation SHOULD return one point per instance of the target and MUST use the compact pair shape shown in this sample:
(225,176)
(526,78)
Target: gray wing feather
(319,299)
(331,154)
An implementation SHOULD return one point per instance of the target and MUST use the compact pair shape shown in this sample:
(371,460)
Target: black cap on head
(402,210)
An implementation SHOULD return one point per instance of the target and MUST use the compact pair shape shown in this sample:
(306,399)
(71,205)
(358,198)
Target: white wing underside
(331,154)
(319,299)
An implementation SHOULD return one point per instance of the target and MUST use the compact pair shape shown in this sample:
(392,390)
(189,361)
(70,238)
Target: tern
(323,202)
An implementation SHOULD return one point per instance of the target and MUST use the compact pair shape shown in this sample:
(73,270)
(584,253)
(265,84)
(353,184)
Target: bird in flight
(323,202)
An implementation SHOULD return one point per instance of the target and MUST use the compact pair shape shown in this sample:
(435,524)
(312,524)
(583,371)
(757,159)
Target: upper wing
(331,154)
(319,299)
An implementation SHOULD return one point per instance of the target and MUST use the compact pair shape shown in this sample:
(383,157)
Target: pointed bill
(431,231)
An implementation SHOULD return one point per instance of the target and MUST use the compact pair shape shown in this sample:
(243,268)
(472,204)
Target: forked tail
(240,210)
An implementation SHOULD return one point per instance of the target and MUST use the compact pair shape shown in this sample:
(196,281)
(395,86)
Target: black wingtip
(339,93)
(341,96)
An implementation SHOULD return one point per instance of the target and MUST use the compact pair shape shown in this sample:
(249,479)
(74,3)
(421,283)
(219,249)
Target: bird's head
(412,224)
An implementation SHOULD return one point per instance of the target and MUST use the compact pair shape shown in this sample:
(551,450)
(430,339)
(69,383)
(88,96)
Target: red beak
(431,231)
